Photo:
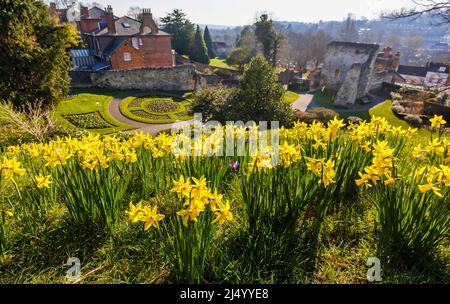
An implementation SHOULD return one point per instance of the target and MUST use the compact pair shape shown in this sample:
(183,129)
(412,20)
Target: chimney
(148,24)
(84,11)
(109,18)
(396,61)
(53,10)
(386,52)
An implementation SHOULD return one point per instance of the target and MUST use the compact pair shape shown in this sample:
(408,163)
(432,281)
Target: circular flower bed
(158,108)
(162,106)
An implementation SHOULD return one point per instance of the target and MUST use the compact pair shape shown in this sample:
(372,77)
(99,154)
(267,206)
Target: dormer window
(135,42)
(442,69)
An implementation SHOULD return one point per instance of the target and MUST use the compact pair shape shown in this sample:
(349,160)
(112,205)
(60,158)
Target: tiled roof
(438,68)
(412,70)
(126,26)
(109,50)
(96,13)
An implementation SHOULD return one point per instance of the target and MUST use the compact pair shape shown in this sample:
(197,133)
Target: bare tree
(134,12)
(349,31)
(440,9)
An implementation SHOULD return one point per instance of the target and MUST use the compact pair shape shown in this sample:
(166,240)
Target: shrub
(210,102)
(322,115)
(414,120)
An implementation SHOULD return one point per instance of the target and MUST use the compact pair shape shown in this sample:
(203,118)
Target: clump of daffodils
(436,179)
(382,167)
(323,169)
(197,198)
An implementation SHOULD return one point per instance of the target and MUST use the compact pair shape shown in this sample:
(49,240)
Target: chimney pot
(110,22)
(148,24)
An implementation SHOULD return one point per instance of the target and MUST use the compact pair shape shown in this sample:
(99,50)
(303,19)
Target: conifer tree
(209,44)
(199,50)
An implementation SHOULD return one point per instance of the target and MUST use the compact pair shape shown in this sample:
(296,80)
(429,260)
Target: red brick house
(125,43)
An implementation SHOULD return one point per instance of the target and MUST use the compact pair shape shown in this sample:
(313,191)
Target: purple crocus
(234,166)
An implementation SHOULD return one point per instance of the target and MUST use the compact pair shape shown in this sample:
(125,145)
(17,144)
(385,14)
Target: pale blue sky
(239,12)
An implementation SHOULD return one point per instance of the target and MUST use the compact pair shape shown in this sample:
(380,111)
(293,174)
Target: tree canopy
(34,61)
(259,96)
(182,30)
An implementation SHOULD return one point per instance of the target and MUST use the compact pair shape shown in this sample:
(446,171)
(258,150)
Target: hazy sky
(239,12)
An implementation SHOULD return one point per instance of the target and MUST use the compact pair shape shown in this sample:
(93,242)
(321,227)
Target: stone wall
(347,93)
(342,58)
(179,78)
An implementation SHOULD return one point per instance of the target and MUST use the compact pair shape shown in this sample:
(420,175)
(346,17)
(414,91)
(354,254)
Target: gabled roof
(96,13)
(113,46)
(412,70)
(126,26)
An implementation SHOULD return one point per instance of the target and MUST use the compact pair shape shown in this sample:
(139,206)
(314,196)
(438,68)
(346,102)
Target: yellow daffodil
(151,217)
(11,167)
(182,187)
(430,187)
(223,213)
(437,121)
(43,181)
(135,212)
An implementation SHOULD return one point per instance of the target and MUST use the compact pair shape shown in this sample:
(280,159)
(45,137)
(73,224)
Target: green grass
(84,103)
(291,96)
(220,63)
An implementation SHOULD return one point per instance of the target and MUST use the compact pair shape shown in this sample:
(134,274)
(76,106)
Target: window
(126,25)
(127,56)
(141,42)
(442,69)
(135,42)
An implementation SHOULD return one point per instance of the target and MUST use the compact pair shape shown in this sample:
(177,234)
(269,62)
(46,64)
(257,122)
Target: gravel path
(305,102)
(114,110)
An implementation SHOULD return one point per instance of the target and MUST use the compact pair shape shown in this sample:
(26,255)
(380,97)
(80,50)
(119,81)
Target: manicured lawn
(384,110)
(88,103)
(220,63)
(324,99)
(291,96)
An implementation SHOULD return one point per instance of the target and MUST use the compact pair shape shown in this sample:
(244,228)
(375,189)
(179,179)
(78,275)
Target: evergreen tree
(34,61)
(199,51)
(259,97)
(182,31)
(209,44)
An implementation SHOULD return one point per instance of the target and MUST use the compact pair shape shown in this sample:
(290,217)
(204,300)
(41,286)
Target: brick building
(125,43)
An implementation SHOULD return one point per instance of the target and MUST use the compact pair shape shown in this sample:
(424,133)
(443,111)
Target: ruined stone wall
(179,78)
(347,93)
(340,57)
(379,78)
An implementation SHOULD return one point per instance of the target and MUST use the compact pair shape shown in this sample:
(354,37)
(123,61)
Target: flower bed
(157,108)
(162,106)
(147,115)
(88,121)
